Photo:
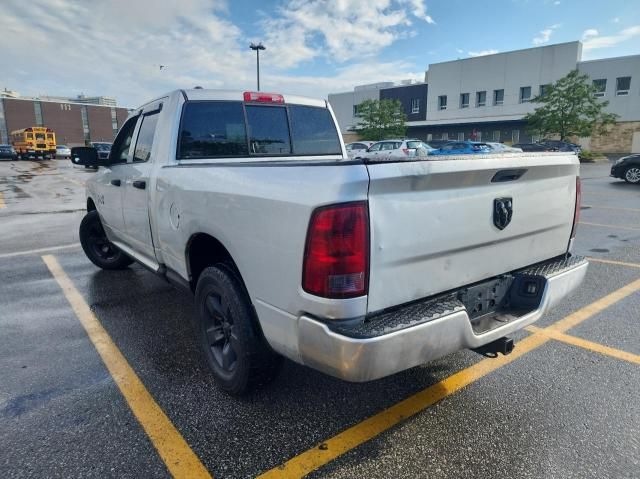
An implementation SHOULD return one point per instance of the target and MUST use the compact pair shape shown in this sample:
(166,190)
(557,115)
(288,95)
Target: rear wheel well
(91,206)
(203,251)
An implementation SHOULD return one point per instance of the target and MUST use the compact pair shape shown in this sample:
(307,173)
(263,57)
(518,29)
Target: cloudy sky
(115,48)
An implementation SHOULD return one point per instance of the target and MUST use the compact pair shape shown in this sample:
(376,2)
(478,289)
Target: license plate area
(500,300)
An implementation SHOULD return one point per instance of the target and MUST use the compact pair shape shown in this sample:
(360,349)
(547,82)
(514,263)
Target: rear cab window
(235,129)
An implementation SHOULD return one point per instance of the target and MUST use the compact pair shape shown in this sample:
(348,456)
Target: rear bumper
(364,359)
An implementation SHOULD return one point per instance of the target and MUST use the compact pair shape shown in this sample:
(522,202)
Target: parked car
(461,148)
(353,149)
(7,152)
(437,143)
(627,168)
(63,151)
(502,148)
(359,270)
(532,147)
(103,149)
(557,145)
(395,150)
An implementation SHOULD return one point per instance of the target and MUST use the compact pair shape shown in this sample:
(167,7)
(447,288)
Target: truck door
(109,191)
(136,187)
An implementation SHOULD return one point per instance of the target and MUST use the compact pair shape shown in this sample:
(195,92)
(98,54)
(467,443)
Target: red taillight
(263,97)
(336,257)
(576,214)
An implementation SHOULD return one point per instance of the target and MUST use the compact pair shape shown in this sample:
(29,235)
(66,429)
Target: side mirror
(87,156)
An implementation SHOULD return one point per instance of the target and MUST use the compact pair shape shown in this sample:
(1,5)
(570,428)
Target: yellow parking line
(576,318)
(2,204)
(590,345)
(610,226)
(611,261)
(171,446)
(318,456)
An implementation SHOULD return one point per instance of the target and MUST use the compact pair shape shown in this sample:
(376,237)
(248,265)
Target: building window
(85,124)
(496,135)
(356,110)
(599,87)
(544,90)
(445,136)
(114,121)
(498,97)
(623,85)
(525,94)
(515,136)
(464,100)
(37,107)
(478,136)
(4,134)
(461,136)
(481,98)
(442,102)
(415,105)
(429,137)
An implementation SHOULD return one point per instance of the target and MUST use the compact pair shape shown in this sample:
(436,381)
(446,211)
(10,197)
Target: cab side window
(146,133)
(122,143)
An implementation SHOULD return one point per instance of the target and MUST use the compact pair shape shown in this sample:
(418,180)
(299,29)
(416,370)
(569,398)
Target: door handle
(140,184)
(116,182)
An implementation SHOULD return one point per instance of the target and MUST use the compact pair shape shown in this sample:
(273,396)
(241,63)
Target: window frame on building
(521,97)
(541,90)
(86,130)
(599,92)
(497,102)
(464,100)
(483,102)
(415,106)
(442,105)
(37,110)
(623,91)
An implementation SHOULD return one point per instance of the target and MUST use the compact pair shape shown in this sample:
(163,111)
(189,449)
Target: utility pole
(257,49)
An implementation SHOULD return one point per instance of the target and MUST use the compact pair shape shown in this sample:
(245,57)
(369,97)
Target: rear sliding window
(213,129)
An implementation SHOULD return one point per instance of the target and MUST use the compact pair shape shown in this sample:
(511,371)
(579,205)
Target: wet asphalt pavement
(557,411)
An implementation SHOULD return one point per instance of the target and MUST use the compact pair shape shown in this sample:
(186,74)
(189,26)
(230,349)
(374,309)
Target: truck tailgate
(432,222)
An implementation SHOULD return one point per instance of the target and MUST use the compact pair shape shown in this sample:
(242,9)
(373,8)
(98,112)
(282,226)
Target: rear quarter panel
(261,215)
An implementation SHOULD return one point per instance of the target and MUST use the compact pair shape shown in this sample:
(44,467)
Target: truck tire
(97,247)
(237,353)
(632,175)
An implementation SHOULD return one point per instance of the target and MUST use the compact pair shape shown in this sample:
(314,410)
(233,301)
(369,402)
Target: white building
(486,97)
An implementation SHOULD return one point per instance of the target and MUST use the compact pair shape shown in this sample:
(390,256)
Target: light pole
(257,48)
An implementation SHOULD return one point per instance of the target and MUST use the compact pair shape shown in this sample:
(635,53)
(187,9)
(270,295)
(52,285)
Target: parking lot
(102,376)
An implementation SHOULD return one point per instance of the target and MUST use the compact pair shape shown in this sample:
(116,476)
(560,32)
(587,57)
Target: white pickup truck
(357,268)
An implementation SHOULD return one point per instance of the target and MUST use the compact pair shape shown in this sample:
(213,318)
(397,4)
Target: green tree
(569,108)
(380,119)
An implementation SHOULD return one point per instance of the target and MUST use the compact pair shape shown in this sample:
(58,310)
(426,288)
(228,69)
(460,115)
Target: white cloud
(545,35)
(596,41)
(589,33)
(482,53)
(339,30)
(114,48)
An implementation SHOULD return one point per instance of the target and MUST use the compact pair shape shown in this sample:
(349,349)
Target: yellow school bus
(34,141)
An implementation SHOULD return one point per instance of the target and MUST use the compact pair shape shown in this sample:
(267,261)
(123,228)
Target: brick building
(74,123)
